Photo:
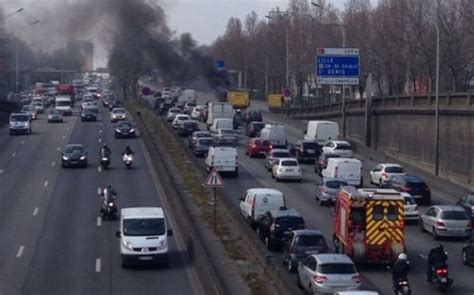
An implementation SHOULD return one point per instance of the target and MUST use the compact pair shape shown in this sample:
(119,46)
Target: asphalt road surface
(301,197)
(52,241)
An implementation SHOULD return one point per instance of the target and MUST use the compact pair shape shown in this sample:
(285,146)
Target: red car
(257,147)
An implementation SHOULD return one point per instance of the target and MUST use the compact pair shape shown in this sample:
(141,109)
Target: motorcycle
(440,277)
(402,287)
(127,160)
(104,162)
(108,209)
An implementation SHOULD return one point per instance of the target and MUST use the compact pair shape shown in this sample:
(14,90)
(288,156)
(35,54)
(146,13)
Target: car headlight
(127,245)
(132,130)
(118,130)
(83,158)
(162,245)
(65,158)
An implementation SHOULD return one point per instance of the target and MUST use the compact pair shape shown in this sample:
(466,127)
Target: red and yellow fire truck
(369,224)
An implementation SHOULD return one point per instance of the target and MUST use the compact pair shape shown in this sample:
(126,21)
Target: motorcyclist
(128,151)
(437,256)
(109,194)
(105,151)
(400,269)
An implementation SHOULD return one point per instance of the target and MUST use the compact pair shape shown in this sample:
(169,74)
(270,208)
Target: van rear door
(350,171)
(225,159)
(267,202)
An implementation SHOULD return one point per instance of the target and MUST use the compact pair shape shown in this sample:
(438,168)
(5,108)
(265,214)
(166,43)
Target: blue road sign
(338,66)
(220,64)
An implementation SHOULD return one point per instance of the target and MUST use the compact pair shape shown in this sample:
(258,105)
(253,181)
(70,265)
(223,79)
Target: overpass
(404,127)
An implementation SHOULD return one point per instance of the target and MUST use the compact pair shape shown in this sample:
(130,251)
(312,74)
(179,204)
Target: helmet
(104,144)
(440,246)
(402,256)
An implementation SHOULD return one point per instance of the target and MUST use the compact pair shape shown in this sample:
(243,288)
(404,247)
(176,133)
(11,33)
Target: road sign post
(214,180)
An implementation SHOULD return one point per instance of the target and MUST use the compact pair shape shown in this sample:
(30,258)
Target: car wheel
(435,234)
(464,257)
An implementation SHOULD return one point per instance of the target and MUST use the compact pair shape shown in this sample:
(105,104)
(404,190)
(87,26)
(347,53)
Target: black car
(306,150)
(253,116)
(322,162)
(413,185)
(467,203)
(88,115)
(196,135)
(164,107)
(74,155)
(300,244)
(276,225)
(114,104)
(187,128)
(253,129)
(467,253)
(201,146)
(124,129)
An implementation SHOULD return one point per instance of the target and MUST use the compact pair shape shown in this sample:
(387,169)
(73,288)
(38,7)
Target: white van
(219,110)
(143,236)
(63,104)
(223,159)
(257,201)
(221,124)
(349,169)
(275,134)
(322,131)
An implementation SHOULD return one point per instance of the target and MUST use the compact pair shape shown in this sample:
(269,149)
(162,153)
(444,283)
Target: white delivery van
(322,131)
(223,159)
(63,104)
(349,169)
(143,236)
(219,110)
(221,124)
(188,95)
(275,134)
(257,201)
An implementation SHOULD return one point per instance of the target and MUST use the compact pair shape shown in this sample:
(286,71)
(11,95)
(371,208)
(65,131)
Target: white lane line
(53,163)
(1,171)
(99,169)
(35,212)
(22,142)
(64,137)
(20,251)
(67,128)
(13,155)
(59,148)
(97,265)
(100,131)
(99,221)
(422,256)
(100,124)
(46,183)
(100,139)
(99,190)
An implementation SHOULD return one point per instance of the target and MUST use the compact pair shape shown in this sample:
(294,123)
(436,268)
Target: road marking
(99,190)
(1,171)
(100,124)
(13,155)
(99,169)
(67,128)
(97,265)
(53,163)
(100,139)
(46,183)
(20,251)
(35,212)
(100,131)
(59,148)
(99,221)
(422,256)
(22,142)
(64,137)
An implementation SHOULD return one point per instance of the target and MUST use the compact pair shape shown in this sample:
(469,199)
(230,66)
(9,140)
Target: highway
(52,239)
(301,197)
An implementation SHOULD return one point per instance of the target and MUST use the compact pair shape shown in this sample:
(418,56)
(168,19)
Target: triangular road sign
(214,179)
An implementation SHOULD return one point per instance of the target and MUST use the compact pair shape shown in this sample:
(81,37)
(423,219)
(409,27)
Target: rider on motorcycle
(105,151)
(109,194)
(128,151)
(437,256)
(400,269)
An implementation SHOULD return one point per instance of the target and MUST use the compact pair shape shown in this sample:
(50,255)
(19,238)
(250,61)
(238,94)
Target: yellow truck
(239,99)
(275,101)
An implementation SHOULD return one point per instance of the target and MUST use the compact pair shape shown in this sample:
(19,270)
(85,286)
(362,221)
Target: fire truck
(369,224)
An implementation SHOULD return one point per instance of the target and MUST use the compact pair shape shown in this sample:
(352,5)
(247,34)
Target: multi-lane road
(301,196)
(52,240)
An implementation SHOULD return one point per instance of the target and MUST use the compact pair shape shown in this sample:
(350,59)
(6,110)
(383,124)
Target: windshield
(19,118)
(311,145)
(227,132)
(290,222)
(409,201)
(118,111)
(74,149)
(206,142)
(144,227)
(25,109)
(343,146)
(63,103)
(470,199)
(311,241)
(394,169)
(454,215)
(335,184)
(337,268)
(281,155)
(125,125)
(289,163)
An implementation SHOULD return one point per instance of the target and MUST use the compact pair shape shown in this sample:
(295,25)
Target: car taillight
(356,278)
(270,147)
(324,189)
(272,228)
(384,175)
(442,271)
(253,146)
(320,278)
(302,149)
(440,223)
(405,188)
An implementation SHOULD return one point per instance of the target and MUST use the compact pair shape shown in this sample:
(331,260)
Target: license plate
(73,162)
(443,280)
(287,232)
(288,170)
(311,151)
(417,196)
(145,258)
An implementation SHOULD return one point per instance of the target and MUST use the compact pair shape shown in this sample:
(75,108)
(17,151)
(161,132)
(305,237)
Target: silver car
(172,114)
(287,169)
(327,189)
(446,221)
(273,155)
(328,273)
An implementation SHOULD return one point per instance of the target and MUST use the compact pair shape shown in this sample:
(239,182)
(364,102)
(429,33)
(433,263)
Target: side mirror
(118,234)
(169,232)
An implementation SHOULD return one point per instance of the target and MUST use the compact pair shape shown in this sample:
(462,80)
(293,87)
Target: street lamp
(437,101)
(13,13)
(17,52)
(287,61)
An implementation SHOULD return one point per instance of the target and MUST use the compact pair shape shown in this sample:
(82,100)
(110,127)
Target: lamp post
(13,13)
(287,58)
(17,53)
(437,101)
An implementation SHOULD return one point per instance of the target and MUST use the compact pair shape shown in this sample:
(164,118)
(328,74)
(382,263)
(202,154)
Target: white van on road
(275,134)
(348,169)
(322,131)
(64,105)
(223,159)
(257,201)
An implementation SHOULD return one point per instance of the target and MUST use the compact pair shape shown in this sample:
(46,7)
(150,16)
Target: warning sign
(214,179)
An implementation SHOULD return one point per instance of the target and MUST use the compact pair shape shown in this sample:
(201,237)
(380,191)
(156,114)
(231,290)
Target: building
(86,50)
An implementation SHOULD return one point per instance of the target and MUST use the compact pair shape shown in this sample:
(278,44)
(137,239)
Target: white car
(179,119)
(382,173)
(411,208)
(446,221)
(328,273)
(39,107)
(172,114)
(339,147)
(288,169)
(196,112)
(118,114)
